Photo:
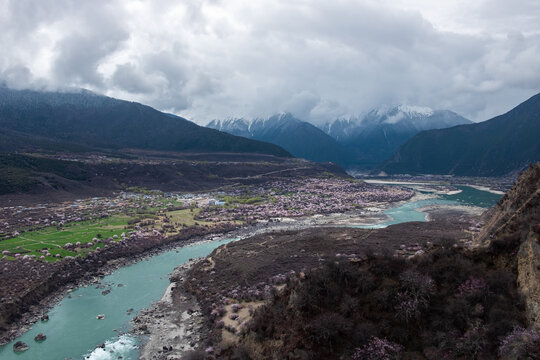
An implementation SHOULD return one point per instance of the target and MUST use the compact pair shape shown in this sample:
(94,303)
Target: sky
(318,59)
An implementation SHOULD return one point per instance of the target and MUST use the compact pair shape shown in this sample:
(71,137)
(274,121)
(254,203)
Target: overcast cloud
(320,59)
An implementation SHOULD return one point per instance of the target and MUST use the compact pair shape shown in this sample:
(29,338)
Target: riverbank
(48,251)
(86,272)
(488,189)
(246,271)
(61,278)
(493,185)
(173,325)
(446,222)
(441,212)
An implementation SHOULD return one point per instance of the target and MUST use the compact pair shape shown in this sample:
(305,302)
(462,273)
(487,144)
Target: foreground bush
(521,344)
(378,349)
(446,305)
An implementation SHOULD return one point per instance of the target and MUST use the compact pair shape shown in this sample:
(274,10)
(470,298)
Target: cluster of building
(298,198)
(16,219)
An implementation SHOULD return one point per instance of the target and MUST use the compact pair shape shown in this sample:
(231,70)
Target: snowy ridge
(248,127)
(416,117)
(367,139)
(412,111)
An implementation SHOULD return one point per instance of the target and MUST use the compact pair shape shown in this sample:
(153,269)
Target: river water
(467,196)
(73,332)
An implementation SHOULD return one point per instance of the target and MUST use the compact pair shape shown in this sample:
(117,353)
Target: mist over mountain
(502,145)
(83,118)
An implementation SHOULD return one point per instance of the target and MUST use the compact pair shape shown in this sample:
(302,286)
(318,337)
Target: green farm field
(186,216)
(53,240)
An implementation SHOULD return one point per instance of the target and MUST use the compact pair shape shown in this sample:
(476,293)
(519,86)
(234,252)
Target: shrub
(473,342)
(521,344)
(505,245)
(473,288)
(241,353)
(378,349)
(328,329)
(365,282)
(417,285)
(500,281)
(446,243)
(461,309)
(388,266)
(447,266)
(348,305)
(230,329)
(408,308)
(414,297)
(363,332)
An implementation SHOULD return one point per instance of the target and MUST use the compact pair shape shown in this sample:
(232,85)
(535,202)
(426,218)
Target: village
(298,198)
(51,232)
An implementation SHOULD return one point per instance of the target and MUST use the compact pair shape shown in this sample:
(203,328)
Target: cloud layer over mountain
(206,59)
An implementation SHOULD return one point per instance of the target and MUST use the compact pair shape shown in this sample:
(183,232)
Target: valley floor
(69,242)
(47,248)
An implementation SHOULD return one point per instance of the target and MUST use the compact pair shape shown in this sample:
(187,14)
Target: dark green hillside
(97,121)
(22,142)
(20,173)
(504,144)
(36,178)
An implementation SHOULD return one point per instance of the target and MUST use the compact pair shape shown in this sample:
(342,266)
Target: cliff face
(516,219)
(518,210)
(529,277)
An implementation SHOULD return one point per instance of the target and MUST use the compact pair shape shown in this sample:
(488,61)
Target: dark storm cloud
(79,57)
(318,59)
(128,78)
(89,41)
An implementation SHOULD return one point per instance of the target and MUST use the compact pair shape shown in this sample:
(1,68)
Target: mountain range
(404,139)
(377,135)
(354,142)
(300,138)
(499,146)
(85,120)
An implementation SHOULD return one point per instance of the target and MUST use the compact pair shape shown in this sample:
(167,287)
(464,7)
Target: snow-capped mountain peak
(402,119)
(412,111)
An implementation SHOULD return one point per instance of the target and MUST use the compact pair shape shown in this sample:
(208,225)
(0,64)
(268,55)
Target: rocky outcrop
(517,211)
(513,225)
(20,346)
(529,278)
(174,324)
(40,337)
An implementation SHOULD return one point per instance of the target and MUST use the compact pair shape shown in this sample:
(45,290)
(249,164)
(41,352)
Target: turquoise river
(73,332)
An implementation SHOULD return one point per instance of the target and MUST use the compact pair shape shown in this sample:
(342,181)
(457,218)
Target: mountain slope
(298,137)
(504,144)
(85,118)
(32,179)
(376,137)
